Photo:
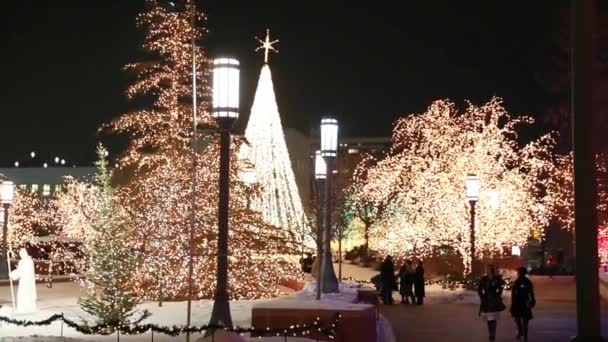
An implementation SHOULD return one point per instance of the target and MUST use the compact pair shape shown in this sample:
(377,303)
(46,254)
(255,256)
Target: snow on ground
(62,298)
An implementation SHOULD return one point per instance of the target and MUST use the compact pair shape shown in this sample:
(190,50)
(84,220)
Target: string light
(158,162)
(279,201)
(421,182)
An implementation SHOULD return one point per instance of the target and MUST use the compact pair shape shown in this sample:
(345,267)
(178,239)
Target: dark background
(369,63)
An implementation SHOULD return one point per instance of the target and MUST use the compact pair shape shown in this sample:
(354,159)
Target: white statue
(26,295)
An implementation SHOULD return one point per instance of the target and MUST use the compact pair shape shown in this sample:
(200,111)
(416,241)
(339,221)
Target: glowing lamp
(248,175)
(33,154)
(515,250)
(62,161)
(329,137)
(56,160)
(472,187)
(226,88)
(320,166)
(16,164)
(7,192)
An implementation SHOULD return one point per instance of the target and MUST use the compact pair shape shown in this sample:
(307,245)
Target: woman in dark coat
(406,280)
(490,295)
(522,302)
(419,283)
(387,273)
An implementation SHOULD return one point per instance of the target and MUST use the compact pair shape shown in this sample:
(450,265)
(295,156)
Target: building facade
(44,180)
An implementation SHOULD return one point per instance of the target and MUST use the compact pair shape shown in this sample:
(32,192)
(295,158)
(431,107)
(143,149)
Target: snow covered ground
(62,298)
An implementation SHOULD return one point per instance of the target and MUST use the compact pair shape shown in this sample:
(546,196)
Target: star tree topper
(267,45)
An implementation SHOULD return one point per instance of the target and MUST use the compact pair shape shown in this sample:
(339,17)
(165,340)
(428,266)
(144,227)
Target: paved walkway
(554,318)
(554,315)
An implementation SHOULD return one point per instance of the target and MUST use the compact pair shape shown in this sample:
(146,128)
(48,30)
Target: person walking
(522,302)
(406,281)
(419,283)
(490,295)
(387,272)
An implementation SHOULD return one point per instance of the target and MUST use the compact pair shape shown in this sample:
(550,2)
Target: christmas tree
(159,165)
(280,202)
(111,261)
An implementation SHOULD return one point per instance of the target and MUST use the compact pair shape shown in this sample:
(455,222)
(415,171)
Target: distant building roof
(49,175)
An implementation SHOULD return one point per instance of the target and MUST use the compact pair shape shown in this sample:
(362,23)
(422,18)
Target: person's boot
(492,330)
(519,329)
(525,329)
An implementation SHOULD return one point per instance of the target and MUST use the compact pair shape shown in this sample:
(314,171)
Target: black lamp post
(7,192)
(329,152)
(225,112)
(320,177)
(472,190)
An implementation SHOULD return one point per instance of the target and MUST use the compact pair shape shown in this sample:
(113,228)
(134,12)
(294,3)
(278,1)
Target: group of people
(522,301)
(409,281)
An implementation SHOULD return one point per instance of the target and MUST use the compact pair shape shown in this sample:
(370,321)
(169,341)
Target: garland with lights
(328,329)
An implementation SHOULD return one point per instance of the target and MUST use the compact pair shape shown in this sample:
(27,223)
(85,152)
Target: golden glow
(422,182)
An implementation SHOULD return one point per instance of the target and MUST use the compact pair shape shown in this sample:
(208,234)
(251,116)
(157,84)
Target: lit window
(23,186)
(353,150)
(334,171)
(34,187)
(57,187)
(46,190)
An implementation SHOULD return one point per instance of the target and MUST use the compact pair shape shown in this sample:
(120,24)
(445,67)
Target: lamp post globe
(7,194)
(225,112)
(329,152)
(226,90)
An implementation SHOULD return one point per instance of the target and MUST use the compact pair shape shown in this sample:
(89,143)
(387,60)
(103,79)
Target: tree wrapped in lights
(422,182)
(563,185)
(159,166)
(32,216)
(279,202)
(362,206)
(111,261)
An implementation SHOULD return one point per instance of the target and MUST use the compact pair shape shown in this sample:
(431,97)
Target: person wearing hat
(522,302)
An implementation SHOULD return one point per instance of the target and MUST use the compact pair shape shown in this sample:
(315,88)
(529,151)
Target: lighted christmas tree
(160,167)
(279,201)
(111,261)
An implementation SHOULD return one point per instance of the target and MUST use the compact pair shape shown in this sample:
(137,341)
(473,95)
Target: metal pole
(160,288)
(221,306)
(585,187)
(193,205)
(4,258)
(319,204)
(340,254)
(329,282)
(472,238)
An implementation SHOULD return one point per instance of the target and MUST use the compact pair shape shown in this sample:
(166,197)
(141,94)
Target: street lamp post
(225,112)
(7,192)
(320,177)
(329,152)
(472,191)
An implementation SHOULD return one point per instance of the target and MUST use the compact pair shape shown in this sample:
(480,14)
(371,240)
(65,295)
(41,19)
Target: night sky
(61,62)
